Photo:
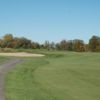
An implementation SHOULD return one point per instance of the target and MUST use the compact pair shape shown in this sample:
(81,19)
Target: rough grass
(58,76)
(3,59)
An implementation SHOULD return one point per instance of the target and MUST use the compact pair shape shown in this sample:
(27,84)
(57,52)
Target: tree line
(9,41)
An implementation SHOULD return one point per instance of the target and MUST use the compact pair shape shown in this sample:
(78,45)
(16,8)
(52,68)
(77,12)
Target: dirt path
(4,68)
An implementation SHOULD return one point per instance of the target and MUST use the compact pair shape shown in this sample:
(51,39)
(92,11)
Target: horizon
(52,20)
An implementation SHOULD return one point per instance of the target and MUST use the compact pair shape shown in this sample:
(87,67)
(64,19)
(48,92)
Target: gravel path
(4,68)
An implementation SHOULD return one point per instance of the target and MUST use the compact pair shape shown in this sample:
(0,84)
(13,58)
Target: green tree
(70,45)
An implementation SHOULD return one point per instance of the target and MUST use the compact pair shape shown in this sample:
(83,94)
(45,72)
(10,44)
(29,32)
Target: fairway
(56,76)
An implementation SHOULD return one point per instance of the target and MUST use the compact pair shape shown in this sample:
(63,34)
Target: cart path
(4,68)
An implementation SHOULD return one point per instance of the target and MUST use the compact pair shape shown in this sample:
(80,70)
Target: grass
(7,50)
(58,76)
(3,59)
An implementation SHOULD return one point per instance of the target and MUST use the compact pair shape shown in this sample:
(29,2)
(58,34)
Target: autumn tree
(78,45)
(37,45)
(63,45)
(1,43)
(8,40)
(94,43)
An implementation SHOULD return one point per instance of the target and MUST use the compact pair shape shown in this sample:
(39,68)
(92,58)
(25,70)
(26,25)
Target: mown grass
(57,76)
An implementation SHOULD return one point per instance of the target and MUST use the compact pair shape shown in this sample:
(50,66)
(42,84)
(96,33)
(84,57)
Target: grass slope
(58,76)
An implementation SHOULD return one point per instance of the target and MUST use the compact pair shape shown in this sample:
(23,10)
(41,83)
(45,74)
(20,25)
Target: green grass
(3,59)
(58,76)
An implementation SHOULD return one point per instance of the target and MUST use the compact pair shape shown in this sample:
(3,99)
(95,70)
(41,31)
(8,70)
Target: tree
(94,43)
(17,43)
(8,40)
(1,43)
(47,45)
(52,46)
(63,45)
(8,37)
(70,45)
(78,45)
(57,46)
(86,47)
(25,43)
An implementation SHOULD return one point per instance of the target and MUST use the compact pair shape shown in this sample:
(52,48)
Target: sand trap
(22,54)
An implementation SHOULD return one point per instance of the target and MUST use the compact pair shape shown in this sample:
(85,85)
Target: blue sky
(51,20)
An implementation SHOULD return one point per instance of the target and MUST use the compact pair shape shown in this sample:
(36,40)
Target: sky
(52,20)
